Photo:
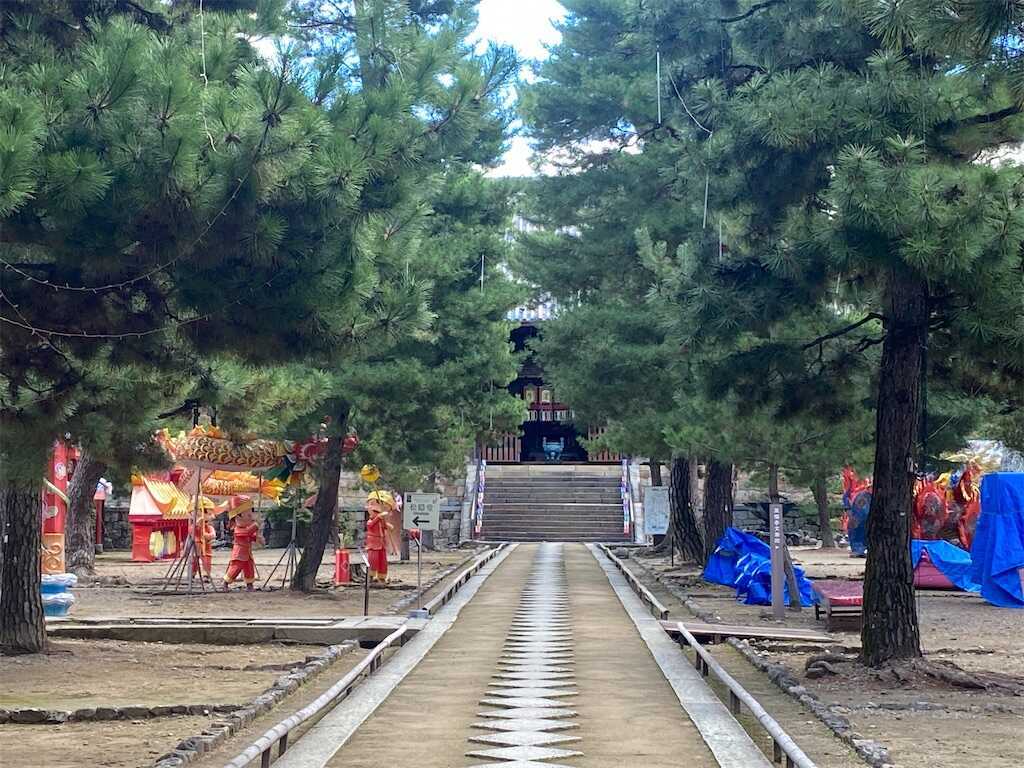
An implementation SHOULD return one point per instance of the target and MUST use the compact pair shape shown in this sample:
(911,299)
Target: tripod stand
(290,558)
(189,559)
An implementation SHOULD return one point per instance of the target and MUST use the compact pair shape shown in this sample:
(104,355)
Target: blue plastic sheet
(951,561)
(998,548)
(743,562)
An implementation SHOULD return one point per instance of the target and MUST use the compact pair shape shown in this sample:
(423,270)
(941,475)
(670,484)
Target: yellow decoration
(369,473)
(384,497)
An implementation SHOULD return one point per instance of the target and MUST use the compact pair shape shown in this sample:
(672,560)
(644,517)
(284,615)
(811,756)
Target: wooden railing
(508,449)
(602,456)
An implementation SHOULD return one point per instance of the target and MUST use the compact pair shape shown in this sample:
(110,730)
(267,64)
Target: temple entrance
(549,434)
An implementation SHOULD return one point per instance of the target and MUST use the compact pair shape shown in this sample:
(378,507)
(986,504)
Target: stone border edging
(406,600)
(34,716)
(872,752)
(193,747)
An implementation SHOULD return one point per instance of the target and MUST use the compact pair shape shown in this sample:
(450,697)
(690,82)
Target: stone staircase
(553,503)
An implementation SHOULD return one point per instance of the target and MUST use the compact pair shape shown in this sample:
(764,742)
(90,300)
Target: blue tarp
(743,562)
(951,561)
(998,548)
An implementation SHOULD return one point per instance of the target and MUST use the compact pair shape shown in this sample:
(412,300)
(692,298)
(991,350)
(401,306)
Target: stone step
(540,536)
(566,497)
(609,526)
(554,510)
(568,510)
(596,482)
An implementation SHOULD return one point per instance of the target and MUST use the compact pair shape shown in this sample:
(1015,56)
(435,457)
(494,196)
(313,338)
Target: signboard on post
(422,510)
(656,510)
(777,541)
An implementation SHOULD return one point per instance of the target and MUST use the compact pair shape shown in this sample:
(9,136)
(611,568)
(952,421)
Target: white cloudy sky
(527,26)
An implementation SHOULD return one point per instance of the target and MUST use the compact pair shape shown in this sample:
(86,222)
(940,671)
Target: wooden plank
(702,629)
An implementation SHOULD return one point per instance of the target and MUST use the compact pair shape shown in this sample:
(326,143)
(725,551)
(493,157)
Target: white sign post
(422,510)
(778,546)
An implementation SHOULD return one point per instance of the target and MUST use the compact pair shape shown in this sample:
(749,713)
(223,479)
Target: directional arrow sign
(422,510)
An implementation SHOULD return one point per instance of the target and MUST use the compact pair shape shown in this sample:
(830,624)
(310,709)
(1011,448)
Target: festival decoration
(246,531)
(379,505)
(210,448)
(369,473)
(223,483)
(857,503)
(204,535)
(55,505)
(159,514)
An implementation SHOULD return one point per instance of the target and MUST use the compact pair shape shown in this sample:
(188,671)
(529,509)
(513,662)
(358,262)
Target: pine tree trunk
(685,533)
(22,625)
(695,494)
(325,510)
(655,466)
(717,504)
(820,490)
(890,615)
(80,550)
(3,535)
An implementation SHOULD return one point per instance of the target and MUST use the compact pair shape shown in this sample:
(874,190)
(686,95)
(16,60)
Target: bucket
(341,572)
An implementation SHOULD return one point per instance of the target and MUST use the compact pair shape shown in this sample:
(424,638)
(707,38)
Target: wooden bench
(842,603)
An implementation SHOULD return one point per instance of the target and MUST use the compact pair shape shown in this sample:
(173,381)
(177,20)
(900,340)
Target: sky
(526,25)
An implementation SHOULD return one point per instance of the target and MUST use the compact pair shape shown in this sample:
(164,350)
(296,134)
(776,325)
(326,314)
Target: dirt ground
(77,674)
(924,722)
(139,593)
(117,744)
(115,673)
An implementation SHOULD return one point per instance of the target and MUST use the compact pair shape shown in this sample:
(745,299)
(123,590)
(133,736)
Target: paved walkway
(543,668)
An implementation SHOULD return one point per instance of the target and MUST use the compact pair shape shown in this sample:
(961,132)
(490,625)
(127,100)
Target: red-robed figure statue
(247,533)
(379,505)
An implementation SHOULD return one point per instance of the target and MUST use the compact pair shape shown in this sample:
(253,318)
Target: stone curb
(32,716)
(406,600)
(219,731)
(872,752)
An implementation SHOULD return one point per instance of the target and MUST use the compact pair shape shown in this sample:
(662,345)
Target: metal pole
(778,543)
(366,584)
(419,578)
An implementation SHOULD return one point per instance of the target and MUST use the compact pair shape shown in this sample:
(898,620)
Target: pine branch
(753,9)
(843,331)
(988,117)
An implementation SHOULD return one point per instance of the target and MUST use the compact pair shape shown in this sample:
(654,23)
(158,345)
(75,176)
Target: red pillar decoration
(55,507)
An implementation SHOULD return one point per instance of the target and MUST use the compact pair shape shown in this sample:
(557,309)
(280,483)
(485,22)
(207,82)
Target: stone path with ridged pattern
(544,668)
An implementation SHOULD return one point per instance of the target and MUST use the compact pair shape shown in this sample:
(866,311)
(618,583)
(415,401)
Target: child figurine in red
(203,534)
(247,533)
(379,504)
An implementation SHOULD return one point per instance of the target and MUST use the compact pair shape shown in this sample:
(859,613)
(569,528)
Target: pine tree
(167,194)
(399,78)
(807,147)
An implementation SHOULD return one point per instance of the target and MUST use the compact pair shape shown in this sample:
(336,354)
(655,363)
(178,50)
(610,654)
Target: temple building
(550,432)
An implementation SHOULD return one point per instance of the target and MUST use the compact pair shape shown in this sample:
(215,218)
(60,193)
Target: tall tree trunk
(655,466)
(685,533)
(695,494)
(80,550)
(22,625)
(820,490)
(324,510)
(890,615)
(718,504)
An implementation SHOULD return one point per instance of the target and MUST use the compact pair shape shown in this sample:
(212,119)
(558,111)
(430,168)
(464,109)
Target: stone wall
(117,532)
(798,527)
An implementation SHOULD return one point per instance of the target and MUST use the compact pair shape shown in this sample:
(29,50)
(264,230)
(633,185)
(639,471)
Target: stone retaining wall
(117,532)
